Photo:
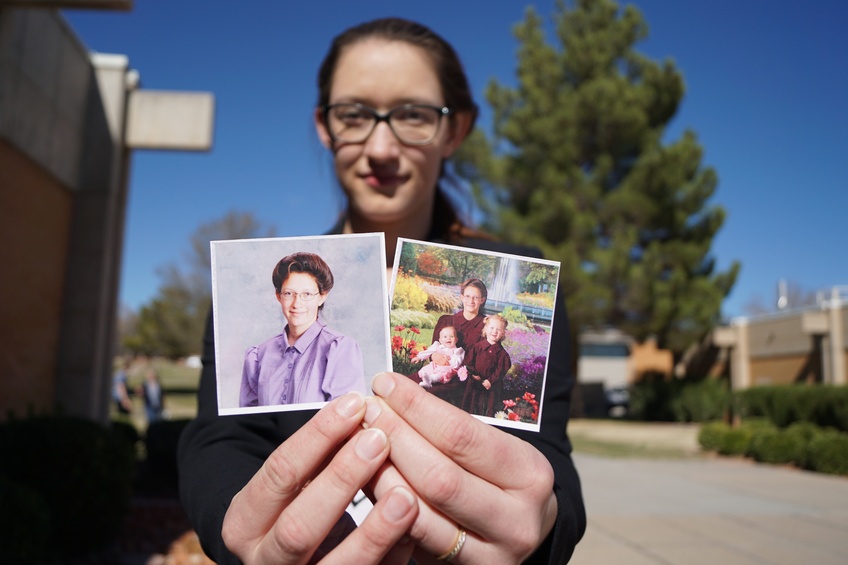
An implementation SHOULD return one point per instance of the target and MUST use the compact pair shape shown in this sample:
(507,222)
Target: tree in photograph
(578,164)
(173,322)
(462,264)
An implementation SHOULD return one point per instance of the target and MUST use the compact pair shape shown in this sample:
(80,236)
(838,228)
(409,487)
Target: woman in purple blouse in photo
(307,362)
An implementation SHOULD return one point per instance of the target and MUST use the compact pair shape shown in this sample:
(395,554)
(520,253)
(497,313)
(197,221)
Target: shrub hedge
(24,523)
(806,445)
(823,405)
(658,399)
(82,470)
(827,452)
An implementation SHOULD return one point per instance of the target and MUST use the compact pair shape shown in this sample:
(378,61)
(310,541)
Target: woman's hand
(294,501)
(468,476)
(486,384)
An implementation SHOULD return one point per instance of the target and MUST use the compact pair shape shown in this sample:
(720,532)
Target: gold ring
(458,542)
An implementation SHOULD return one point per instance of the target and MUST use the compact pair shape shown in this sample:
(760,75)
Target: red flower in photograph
(415,330)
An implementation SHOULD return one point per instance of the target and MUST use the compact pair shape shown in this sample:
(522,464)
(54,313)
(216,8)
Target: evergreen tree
(577,166)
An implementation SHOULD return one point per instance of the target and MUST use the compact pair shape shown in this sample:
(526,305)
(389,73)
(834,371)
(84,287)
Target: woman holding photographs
(307,362)
(393,105)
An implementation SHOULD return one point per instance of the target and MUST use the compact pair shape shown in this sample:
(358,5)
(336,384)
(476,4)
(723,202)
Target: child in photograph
(487,363)
(445,359)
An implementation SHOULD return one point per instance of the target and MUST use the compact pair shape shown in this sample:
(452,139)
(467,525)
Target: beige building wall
(805,345)
(779,370)
(36,218)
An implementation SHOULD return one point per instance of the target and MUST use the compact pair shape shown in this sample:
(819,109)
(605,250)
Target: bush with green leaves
(413,318)
(735,441)
(160,466)
(84,472)
(701,401)
(711,435)
(776,446)
(24,523)
(514,315)
(659,399)
(823,405)
(827,452)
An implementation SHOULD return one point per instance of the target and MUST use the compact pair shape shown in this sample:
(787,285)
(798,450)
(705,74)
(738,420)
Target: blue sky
(767,86)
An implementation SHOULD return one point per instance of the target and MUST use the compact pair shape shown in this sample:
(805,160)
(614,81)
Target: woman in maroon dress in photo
(468,323)
(487,362)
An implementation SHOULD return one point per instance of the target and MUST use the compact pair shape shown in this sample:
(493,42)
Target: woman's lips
(377,180)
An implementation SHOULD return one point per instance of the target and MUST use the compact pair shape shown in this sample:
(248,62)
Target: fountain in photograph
(505,286)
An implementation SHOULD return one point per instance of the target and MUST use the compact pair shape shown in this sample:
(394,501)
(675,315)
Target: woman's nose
(382,143)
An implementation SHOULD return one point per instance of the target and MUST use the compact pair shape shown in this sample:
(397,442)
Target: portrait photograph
(473,327)
(298,321)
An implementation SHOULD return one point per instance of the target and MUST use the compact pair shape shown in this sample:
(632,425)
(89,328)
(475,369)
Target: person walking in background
(120,389)
(153,395)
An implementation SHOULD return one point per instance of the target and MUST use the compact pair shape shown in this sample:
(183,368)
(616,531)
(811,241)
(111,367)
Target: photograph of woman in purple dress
(307,361)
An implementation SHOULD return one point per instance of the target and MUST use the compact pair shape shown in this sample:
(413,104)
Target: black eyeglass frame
(443,112)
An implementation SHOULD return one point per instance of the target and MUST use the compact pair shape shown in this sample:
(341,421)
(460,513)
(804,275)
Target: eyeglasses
(412,124)
(472,298)
(305,296)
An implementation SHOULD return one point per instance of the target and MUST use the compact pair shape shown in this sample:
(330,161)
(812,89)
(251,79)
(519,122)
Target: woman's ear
(321,129)
(460,127)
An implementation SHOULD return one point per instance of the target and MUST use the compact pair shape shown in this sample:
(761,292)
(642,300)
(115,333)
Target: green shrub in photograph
(413,318)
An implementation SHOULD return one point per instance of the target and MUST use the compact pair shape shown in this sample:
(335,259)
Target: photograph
(298,321)
(473,328)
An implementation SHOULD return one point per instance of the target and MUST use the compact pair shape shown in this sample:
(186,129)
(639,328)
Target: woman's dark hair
(301,262)
(452,79)
(476,283)
(446,63)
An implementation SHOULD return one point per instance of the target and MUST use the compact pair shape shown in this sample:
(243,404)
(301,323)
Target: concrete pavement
(710,511)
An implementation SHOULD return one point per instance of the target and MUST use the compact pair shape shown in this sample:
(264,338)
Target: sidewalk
(710,511)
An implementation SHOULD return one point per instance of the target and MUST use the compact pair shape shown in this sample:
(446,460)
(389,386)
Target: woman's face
(385,180)
(300,313)
(494,331)
(472,299)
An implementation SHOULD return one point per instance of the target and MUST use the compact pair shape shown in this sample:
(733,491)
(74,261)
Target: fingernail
(350,404)
(371,443)
(398,504)
(383,384)
(372,410)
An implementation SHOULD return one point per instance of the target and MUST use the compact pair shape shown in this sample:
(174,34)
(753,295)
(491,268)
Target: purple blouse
(320,366)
